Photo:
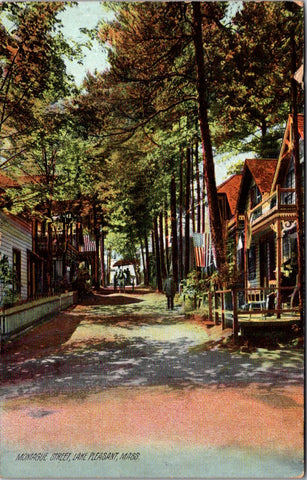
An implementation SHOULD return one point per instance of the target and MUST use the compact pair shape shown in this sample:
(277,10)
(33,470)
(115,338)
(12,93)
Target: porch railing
(281,199)
(233,307)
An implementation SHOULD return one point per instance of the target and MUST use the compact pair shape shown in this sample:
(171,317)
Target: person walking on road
(115,281)
(170,290)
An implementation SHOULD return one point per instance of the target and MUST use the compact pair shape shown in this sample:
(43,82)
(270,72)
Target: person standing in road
(121,281)
(170,290)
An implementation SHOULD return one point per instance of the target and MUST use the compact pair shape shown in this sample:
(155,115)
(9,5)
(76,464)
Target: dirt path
(123,374)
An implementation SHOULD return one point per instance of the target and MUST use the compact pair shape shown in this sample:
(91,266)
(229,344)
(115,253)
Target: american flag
(200,248)
(89,245)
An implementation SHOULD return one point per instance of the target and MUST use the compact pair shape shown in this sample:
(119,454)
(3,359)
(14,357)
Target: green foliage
(194,286)
(8,296)
(6,271)
(83,283)
(120,139)
(253,91)
(227,276)
(31,60)
(120,241)
(33,84)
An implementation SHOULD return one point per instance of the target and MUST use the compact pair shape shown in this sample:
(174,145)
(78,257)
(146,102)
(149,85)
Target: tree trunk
(203,205)
(209,173)
(298,185)
(163,267)
(97,242)
(97,269)
(143,257)
(103,277)
(147,277)
(109,266)
(180,217)
(158,263)
(192,193)
(174,230)
(187,214)
(166,238)
(197,189)
(153,243)
(49,265)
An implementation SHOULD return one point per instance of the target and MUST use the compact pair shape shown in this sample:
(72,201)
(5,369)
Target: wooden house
(228,193)
(88,257)
(259,211)
(56,245)
(265,222)
(256,217)
(43,249)
(15,243)
(227,198)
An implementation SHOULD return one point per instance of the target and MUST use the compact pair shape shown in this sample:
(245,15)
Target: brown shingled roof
(231,188)
(263,171)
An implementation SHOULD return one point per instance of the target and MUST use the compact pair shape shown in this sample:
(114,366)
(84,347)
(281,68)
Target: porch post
(216,313)
(210,305)
(245,258)
(278,266)
(235,315)
(223,309)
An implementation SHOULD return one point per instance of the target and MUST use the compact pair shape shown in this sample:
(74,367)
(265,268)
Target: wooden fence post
(210,305)
(216,313)
(223,310)
(235,325)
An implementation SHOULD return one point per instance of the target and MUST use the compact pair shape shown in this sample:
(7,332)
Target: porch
(282,320)
(254,308)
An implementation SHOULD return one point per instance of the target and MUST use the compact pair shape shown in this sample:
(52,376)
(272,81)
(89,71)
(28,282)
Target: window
(286,247)
(16,271)
(255,196)
(252,262)
(301,149)
(289,198)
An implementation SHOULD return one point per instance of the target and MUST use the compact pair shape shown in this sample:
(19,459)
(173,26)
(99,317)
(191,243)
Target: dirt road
(119,386)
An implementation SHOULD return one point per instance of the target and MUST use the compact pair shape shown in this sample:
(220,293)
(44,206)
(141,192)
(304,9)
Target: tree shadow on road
(115,299)
(43,339)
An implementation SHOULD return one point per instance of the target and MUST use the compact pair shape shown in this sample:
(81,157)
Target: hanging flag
(199,249)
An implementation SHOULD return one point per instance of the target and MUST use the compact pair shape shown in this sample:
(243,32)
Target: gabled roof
(262,170)
(287,148)
(231,188)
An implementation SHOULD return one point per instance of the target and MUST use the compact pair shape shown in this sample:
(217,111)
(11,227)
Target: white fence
(19,317)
